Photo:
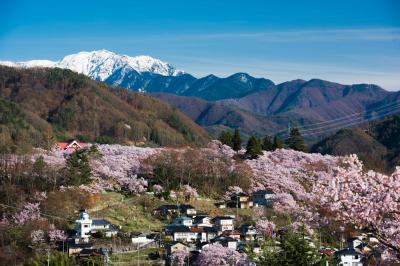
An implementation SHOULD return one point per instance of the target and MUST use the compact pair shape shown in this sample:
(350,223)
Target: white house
(202,221)
(224,223)
(183,233)
(85,226)
(141,239)
(349,256)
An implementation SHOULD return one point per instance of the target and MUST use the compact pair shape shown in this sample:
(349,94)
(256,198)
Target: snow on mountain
(102,64)
(32,63)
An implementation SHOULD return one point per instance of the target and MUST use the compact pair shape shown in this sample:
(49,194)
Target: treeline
(40,106)
(255,145)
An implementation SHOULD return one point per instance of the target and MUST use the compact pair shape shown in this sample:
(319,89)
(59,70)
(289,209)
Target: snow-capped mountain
(147,74)
(102,64)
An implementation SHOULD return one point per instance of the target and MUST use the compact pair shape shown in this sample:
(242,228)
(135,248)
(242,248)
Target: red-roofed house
(71,145)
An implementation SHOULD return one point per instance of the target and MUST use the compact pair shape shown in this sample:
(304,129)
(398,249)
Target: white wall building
(83,226)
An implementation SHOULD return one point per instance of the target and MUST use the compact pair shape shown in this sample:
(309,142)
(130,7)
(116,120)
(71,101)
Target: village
(191,232)
(187,230)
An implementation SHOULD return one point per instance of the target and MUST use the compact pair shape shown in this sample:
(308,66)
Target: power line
(356,121)
(352,124)
(338,120)
(359,117)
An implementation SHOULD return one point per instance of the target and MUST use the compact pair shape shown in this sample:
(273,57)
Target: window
(86,226)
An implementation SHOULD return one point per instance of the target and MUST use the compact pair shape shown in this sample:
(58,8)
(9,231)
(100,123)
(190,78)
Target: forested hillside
(376,143)
(40,106)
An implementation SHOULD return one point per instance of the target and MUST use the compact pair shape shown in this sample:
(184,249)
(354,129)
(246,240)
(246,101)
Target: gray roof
(100,222)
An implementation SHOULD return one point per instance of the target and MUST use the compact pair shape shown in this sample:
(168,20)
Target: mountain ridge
(61,104)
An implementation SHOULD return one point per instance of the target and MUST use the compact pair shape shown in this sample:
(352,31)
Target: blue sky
(345,41)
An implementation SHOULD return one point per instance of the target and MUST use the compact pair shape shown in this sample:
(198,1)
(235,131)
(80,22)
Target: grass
(131,213)
(131,258)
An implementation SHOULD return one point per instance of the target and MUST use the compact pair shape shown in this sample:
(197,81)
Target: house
(187,209)
(141,239)
(85,227)
(181,233)
(76,248)
(263,197)
(71,146)
(202,221)
(226,241)
(176,246)
(224,223)
(104,226)
(86,253)
(240,200)
(248,232)
(210,232)
(235,234)
(186,221)
(350,255)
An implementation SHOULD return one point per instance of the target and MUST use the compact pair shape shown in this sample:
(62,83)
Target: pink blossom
(179,258)
(57,235)
(189,192)
(232,190)
(218,255)
(30,211)
(40,196)
(265,227)
(133,184)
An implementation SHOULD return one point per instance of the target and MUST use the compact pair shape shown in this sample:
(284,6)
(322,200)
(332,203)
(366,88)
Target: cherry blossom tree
(30,211)
(179,258)
(319,189)
(232,190)
(133,184)
(56,235)
(189,192)
(367,200)
(265,227)
(218,255)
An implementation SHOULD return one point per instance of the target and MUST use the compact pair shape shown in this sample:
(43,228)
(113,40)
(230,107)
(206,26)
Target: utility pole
(138,254)
(237,205)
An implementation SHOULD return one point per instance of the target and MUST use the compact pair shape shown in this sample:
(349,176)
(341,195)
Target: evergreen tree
(267,144)
(226,138)
(295,140)
(294,250)
(236,140)
(278,143)
(78,168)
(253,148)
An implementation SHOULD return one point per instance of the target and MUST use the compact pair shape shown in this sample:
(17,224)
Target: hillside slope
(68,104)
(376,143)
(215,116)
